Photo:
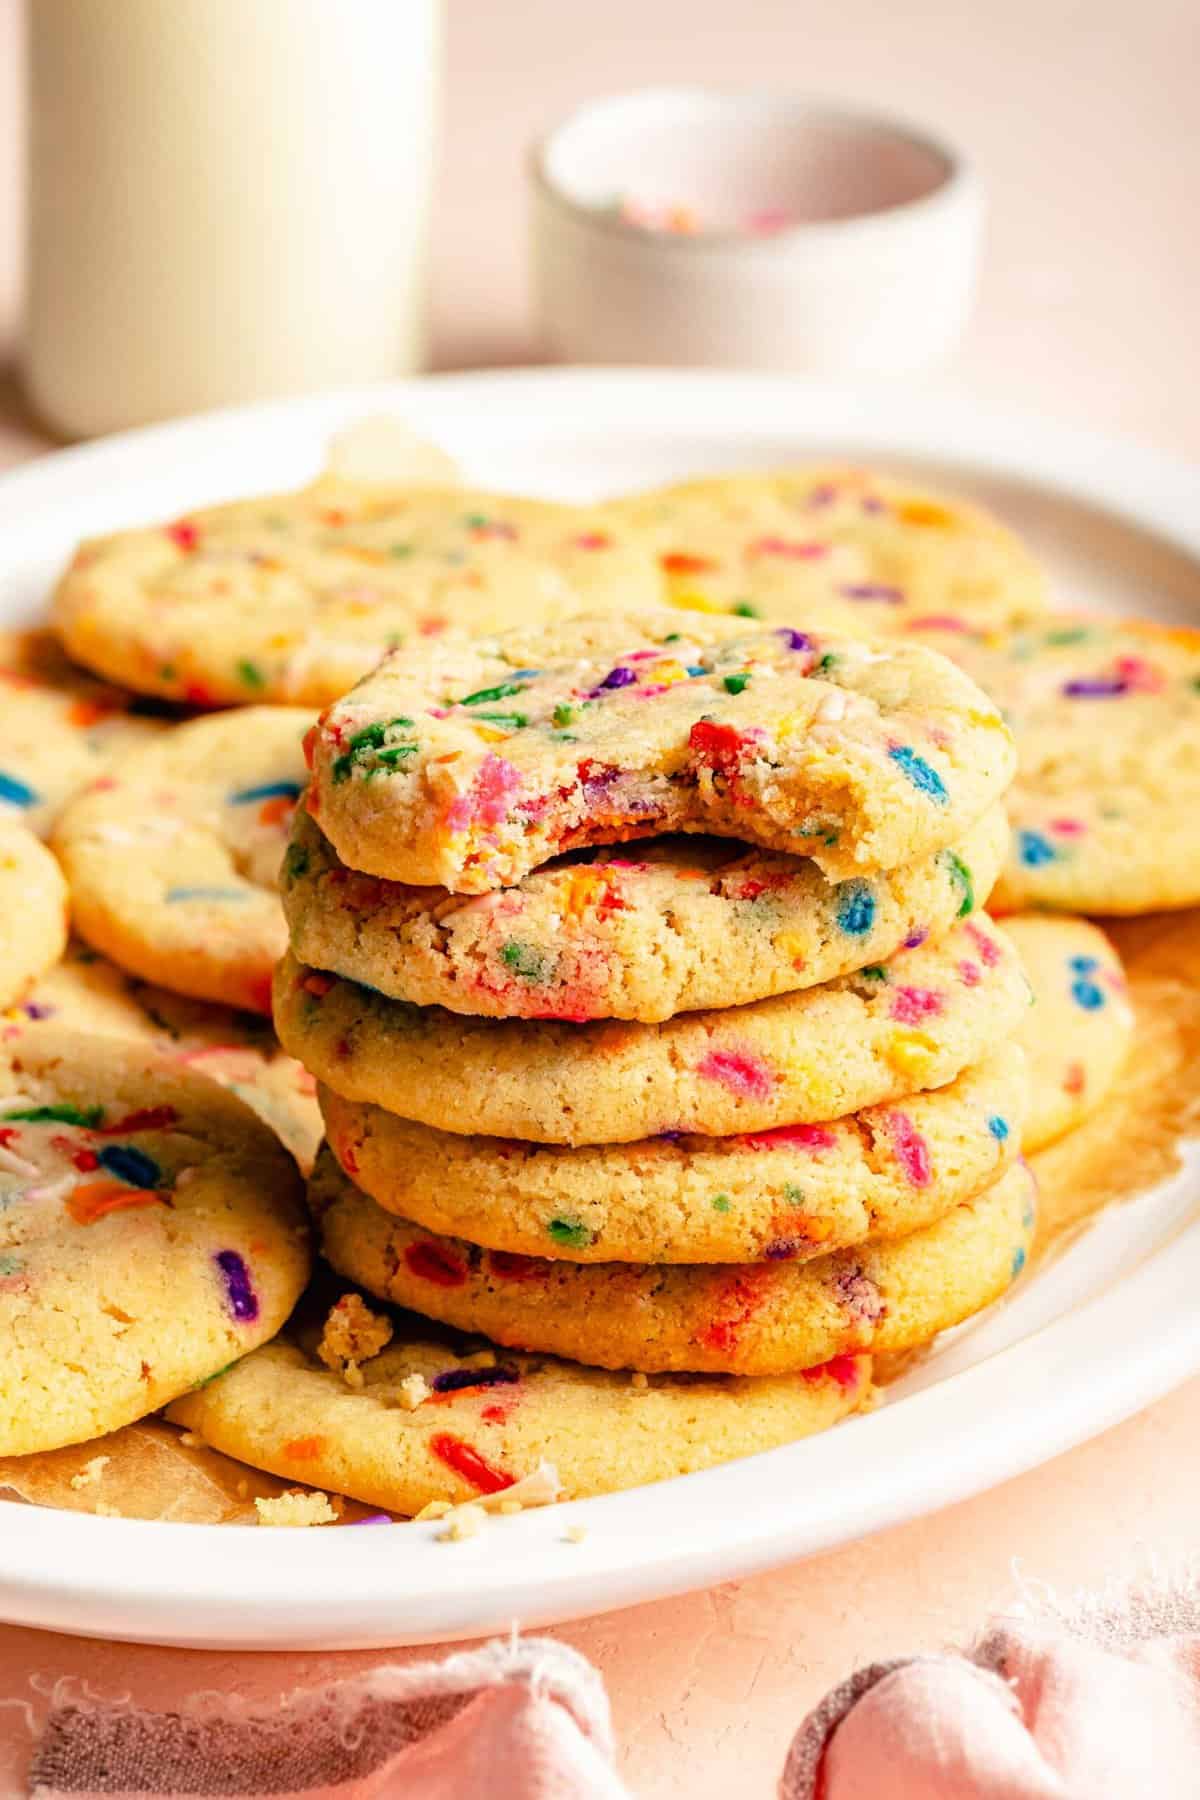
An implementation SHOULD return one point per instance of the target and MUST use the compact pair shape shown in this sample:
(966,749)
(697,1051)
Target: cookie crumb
(190,1441)
(638,1380)
(510,1508)
(575,1534)
(352,1335)
(295,1508)
(433,1509)
(414,1391)
(90,1472)
(462,1522)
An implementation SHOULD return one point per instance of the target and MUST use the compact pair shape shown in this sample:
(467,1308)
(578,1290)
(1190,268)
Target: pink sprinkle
(912,1152)
(642,655)
(1139,676)
(786,1137)
(778,546)
(988,948)
(593,540)
(910,1004)
(938,622)
(486,803)
(970,974)
(647,693)
(743,1074)
(1068,827)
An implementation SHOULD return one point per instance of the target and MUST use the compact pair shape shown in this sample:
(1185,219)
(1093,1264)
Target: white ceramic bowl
(871,271)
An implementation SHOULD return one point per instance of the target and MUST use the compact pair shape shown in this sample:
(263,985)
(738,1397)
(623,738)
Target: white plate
(1088,1340)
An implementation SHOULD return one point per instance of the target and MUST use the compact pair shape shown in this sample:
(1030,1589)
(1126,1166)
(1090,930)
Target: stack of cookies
(739,1099)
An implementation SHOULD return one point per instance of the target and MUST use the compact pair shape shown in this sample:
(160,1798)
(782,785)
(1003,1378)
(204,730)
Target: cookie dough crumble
(298,1508)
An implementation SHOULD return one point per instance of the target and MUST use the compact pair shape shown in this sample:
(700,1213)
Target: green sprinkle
(371,744)
(1074,634)
(792,1194)
(512,721)
(250,675)
(827,662)
(874,972)
(503,691)
(744,610)
(167,672)
(563,714)
(295,863)
(673,637)
(523,960)
(721,1203)
(399,550)
(734,684)
(966,882)
(570,1233)
(62,1114)
(209,1379)
(563,737)
(10,1265)
(477,521)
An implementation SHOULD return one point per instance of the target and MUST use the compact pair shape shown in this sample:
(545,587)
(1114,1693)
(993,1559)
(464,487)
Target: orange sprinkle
(303,1449)
(275,810)
(85,713)
(317,983)
(93,1200)
(926,512)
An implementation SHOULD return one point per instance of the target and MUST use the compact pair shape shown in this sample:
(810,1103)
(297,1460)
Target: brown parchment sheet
(153,1471)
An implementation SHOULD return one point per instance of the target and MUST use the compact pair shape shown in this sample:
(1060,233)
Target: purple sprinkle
(668,1137)
(1101,688)
(795,640)
(619,677)
(450,1380)
(825,495)
(916,938)
(872,505)
(243,1301)
(373,1519)
(872,590)
(38,1009)
(782,1249)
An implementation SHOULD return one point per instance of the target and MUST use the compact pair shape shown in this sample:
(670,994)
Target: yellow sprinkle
(692,600)
(489,734)
(912,1052)
(926,512)
(575,1534)
(792,946)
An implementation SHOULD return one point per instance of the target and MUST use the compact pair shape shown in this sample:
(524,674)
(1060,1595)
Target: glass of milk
(229,200)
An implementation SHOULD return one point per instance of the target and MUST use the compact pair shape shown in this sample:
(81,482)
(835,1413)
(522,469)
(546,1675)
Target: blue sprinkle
(1083,965)
(1034,849)
(269,790)
(128,1164)
(923,776)
(175,895)
(17,793)
(998,1127)
(1086,994)
(856,909)
(698,669)
(1018,1261)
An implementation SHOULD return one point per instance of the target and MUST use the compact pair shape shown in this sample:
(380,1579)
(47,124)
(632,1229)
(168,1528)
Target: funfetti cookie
(173,857)
(845,549)
(291,598)
(448,1421)
(468,763)
(1079,1030)
(767,1318)
(85,992)
(33,910)
(888,1031)
(671,925)
(151,1232)
(1105,806)
(791,1193)
(59,727)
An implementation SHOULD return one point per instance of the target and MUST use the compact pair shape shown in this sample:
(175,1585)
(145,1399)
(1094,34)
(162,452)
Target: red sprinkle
(147,1118)
(593,540)
(184,534)
(744,1075)
(431,1263)
(786,1137)
(1075,1079)
(86,1160)
(466,1461)
(511,1266)
(842,1369)
(682,562)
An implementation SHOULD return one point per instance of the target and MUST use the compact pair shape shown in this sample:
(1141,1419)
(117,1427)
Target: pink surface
(1090,293)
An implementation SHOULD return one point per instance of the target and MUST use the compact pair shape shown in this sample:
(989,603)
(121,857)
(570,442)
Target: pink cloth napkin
(1099,1706)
